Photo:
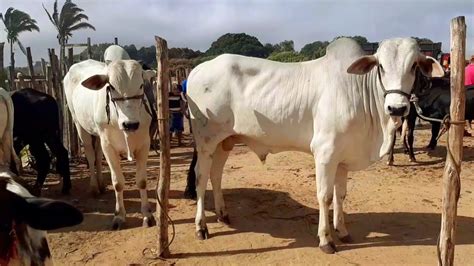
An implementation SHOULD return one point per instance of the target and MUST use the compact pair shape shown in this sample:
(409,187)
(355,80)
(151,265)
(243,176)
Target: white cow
(319,107)
(7,155)
(108,107)
(23,218)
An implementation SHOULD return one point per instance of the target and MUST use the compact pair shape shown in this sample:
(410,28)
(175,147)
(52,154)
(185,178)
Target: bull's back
(36,114)
(262,100)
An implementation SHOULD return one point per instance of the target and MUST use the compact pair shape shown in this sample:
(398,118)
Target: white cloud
(197,23)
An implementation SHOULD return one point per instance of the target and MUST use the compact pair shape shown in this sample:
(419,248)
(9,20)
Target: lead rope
(446,122)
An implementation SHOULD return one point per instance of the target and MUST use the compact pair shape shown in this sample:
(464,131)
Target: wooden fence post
(2,44)
(89,48)
(452,169)
(12,73)
(116,41)
(45,74)
(70,57)
(165,161)
(30,67)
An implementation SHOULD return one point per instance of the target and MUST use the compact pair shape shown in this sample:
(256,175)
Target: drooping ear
(363,65)
(46,214)
(430,67)
(95,82)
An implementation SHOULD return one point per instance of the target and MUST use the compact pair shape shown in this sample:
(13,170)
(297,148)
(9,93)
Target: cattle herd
(344,109)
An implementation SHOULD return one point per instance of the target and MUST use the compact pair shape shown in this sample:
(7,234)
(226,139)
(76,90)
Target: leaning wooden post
(165,161)
(89,48)
(30,67)
(116,41)
(70,57)
(452,169)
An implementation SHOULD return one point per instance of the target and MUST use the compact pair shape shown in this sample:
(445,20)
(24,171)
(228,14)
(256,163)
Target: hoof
(202,234)
(149,221)
(117,223)
(390,163)
(329,248)
(346,239)
(190,194)
(224,219)
(412,160)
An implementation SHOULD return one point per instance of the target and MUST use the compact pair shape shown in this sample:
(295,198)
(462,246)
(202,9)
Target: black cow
(434,99)
(36,123)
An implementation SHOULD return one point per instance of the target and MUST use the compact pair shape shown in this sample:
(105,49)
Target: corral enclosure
(393,214)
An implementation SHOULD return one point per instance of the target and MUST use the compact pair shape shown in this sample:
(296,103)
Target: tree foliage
(422,40)
(16,22)
(286,56)
(70,19)
(314,50)
(237,43)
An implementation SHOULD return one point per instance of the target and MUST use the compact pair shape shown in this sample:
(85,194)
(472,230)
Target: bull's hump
(344,48)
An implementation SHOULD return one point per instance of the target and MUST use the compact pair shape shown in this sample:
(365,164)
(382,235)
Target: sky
(197,23)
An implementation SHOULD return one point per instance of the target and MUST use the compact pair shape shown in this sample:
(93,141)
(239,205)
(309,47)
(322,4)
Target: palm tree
(16,22)
(70,19)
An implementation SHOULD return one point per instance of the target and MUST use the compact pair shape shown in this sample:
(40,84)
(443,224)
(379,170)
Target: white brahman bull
(319,107)
(8,156)
(23,218)
(108,107)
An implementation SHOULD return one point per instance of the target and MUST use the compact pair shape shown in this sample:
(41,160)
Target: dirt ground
(392,212)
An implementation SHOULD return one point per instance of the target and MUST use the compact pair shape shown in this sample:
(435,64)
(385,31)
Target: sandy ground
(393,214)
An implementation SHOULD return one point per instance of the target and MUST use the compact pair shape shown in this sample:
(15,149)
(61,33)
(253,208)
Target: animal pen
(49,81)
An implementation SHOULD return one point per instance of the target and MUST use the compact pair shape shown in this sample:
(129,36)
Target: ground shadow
(277,214)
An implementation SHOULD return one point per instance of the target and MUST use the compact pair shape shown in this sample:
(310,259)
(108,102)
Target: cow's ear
(46,214)
(363,65)
(430,67)
(95,82)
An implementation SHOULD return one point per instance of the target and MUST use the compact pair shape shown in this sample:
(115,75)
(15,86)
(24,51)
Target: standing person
(469,73)
(177,108)
(186,111)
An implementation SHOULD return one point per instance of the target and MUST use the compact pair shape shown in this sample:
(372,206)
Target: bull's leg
(203,170)
(88,142)
(325,177)
(118,181)
(41,155)
(98,163)
(340,189)
(435,126)
(62,161)
(410,132)
(218,161)
(390,154)
(141,180)
(190,190)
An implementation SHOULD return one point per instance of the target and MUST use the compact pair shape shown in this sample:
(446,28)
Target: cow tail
(7,142)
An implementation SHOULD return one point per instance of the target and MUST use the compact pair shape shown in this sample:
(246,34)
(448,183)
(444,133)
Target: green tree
(16,22)
(422,40)
(69,20)
(314,50)
(286,56)
(237,43)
